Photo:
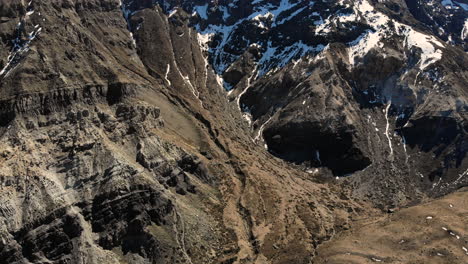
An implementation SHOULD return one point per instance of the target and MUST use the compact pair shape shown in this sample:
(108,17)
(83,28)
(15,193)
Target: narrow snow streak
(387,110)
(249,82)
(317,156)
(260,131)
(461,176)
(202,44)
(173,12)
(403,141)
(194,91)
(19,49)
(464,32)
(436,183)
(127,13)
(189,84)
(167,74)
(185,78)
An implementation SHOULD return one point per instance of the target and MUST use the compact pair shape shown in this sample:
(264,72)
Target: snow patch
(464,33)
(429,53)
(20,47)
(429,45)
(362,45)
(264,16)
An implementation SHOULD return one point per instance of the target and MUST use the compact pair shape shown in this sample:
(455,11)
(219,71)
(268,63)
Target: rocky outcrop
(122,219)
(51,238)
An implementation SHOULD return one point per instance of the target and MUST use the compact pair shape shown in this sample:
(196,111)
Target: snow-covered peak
(283,31)
(230,35)
(287,30)
(383,28)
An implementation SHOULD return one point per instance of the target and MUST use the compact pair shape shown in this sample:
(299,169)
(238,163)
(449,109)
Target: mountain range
(262,131)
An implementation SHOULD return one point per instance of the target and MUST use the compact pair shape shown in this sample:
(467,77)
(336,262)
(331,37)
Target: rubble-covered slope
(347,86)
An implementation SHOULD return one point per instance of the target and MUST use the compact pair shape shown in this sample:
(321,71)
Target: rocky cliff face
(225,132)
(348,86)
